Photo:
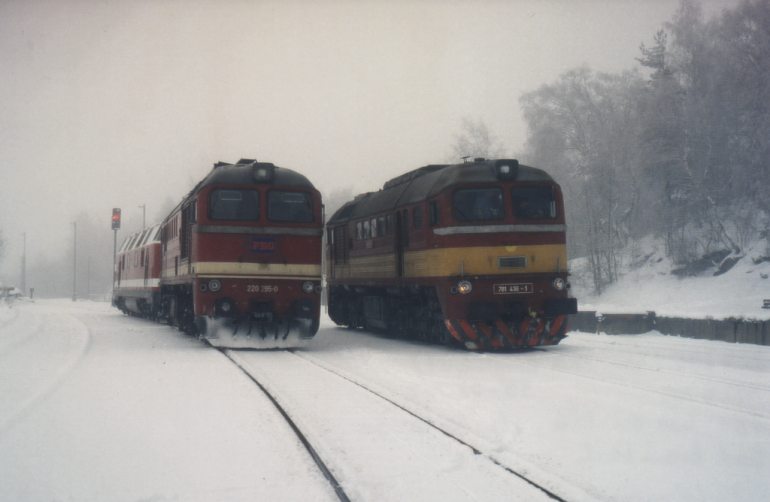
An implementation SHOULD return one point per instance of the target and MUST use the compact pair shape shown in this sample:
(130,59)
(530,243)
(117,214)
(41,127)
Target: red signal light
(115,218)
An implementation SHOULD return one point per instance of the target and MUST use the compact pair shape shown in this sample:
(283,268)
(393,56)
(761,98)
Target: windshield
(289,206)
(234,205)
(478,204)
(533,203)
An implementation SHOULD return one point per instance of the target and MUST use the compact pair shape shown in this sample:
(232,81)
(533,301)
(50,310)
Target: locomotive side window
(533,203)
(478,204)
(433,213)
(234,205)
(289,206)
(417,217)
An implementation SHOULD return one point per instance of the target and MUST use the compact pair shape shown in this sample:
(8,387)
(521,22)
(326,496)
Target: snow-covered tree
(475,140)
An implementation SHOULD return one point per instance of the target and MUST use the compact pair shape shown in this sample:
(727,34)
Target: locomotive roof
(138,239)
(427,181)
(244,172)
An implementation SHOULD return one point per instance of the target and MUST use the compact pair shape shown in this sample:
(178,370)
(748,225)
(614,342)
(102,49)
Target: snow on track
(100,406)
(592,418)
(377,451)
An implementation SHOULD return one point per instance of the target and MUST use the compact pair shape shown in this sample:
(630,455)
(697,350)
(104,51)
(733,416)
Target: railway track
(657,389)
(319,462)
(429,423)
(655,369)
(313,450)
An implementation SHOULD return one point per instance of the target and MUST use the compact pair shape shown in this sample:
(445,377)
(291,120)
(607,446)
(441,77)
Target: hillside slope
(648,282)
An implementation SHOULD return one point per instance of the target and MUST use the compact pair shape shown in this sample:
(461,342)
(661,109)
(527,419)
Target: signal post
(115,227)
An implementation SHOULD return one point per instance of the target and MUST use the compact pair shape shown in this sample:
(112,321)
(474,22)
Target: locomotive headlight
(215,285)
(559,284)
(307,287)
(507,169)
(263,173)
(464,287)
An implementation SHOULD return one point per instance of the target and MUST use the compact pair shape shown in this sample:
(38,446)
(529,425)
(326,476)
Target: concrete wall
(728,330)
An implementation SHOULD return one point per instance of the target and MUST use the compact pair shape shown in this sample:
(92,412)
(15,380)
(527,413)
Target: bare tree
(475,140)
(592,119)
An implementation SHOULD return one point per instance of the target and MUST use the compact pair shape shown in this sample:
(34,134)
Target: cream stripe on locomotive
(139,283)
(480,260)
(228,268)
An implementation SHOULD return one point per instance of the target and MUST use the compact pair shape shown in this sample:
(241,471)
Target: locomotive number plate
(512,289)
(261,288)
(263,244)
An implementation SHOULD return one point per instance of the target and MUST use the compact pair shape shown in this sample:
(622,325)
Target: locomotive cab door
(185,237)
(401,240)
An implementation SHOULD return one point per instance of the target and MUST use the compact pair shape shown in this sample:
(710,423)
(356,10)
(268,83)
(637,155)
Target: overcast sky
(115,104)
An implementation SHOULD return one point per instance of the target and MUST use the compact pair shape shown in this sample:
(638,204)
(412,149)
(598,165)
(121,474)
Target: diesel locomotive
(471,253)
(136,286)
(239,259)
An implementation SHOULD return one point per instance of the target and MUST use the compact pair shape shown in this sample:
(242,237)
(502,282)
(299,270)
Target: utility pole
(24,265)
(143,206)
(74,260)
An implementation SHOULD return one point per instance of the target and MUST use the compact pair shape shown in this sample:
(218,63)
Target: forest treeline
(678,148)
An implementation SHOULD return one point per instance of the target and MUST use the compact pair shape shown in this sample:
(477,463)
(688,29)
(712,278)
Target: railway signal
(115,218)
(115,227)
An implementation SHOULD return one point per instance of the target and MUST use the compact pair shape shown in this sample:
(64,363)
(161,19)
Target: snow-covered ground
(97,406)
(648,284)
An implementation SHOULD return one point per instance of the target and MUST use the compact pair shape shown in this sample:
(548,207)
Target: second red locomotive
(473,253)
(241,258)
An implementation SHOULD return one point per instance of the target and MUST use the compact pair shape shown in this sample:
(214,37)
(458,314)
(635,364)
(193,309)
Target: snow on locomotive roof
(427,181)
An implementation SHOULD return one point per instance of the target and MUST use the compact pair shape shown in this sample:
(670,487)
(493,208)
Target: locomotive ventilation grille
(512,262)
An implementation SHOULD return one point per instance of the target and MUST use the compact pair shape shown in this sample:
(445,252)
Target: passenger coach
(473,252)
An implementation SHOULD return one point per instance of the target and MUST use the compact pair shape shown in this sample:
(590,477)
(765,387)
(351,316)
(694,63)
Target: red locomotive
(241,258)
(473,253)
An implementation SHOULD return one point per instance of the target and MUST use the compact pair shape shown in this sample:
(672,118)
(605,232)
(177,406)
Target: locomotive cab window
(228,204)
(294,207)
(533,203)
(478,204)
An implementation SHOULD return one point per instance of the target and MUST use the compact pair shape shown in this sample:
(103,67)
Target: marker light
(464,287)
(214,285)
(559,284)
(307,287)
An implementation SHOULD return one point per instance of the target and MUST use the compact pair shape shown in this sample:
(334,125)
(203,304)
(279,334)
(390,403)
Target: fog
(122,104)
